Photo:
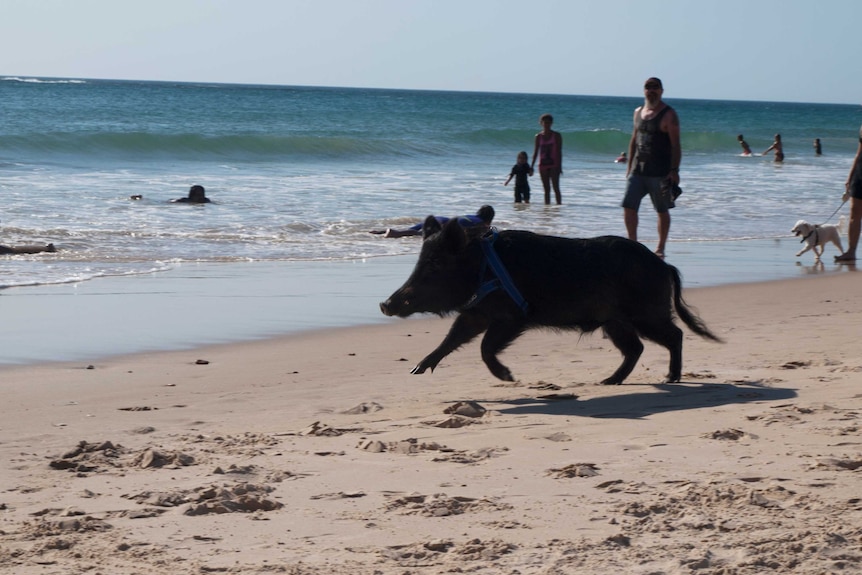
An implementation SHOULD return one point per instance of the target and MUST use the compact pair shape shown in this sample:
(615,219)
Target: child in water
(521,171)
(746,149)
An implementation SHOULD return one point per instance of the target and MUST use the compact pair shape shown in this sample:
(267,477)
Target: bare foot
(846,257)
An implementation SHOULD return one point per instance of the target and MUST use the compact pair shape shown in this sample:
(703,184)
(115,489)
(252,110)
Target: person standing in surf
(654,158)
(746,149)
(777,146)
(549,151)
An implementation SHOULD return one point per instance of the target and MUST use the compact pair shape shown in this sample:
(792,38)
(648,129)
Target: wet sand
(201,304)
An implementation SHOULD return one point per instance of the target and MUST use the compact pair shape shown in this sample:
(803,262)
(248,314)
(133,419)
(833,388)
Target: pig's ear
(454,237)
(430,226)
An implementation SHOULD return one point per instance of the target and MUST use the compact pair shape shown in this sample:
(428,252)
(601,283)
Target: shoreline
(200,304)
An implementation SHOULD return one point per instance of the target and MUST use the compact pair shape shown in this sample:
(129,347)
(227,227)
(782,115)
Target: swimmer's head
(486,214)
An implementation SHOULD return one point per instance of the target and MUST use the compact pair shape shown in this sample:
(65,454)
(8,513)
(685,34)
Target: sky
(774,50)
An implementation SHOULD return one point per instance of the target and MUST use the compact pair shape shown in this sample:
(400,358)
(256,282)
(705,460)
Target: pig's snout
(390,307)
(397,304)
(385,308)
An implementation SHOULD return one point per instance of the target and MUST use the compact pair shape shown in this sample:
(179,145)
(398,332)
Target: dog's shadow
(637,404)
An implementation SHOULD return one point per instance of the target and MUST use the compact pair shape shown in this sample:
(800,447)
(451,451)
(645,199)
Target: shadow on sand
(663,398)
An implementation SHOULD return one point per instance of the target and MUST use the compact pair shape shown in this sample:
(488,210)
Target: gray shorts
(639,186)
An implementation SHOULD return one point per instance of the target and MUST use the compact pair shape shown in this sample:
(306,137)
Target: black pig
(580,284)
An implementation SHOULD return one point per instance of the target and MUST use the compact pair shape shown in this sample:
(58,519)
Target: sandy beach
(320,453)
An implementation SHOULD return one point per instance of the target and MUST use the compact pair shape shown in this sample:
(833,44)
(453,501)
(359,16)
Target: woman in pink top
(549,151)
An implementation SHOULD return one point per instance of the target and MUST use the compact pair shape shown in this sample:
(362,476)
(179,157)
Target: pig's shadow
(636,405)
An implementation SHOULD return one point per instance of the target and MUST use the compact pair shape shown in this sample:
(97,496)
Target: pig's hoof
(422,367)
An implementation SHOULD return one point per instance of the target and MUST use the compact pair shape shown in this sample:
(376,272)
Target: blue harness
(502,279)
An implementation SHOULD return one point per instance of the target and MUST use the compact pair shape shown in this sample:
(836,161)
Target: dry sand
(321,454)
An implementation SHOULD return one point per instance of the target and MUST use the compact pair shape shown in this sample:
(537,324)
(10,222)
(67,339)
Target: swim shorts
(639,186)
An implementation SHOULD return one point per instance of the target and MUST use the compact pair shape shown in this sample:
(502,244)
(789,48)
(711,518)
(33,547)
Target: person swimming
(30,249)
(197,195)
(482,219)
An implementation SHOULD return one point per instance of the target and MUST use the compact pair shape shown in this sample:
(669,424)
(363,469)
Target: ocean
(301,174)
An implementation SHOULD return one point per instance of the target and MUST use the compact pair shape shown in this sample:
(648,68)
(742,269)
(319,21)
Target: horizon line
(25,77)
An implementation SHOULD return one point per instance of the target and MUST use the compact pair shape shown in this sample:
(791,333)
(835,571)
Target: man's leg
(852,231)
(663,231)
(630,217)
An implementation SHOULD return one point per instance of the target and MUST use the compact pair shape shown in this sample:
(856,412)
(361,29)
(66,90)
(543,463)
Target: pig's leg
(665,333)
(466,327)
(627,341)
(497,338)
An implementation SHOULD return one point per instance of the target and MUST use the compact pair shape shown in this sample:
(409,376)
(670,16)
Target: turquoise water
(303,173)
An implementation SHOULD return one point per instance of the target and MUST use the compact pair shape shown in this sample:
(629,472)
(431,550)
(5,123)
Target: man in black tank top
(653,166)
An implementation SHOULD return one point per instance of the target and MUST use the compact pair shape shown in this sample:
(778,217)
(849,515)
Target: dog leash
(835,212)
(814,231)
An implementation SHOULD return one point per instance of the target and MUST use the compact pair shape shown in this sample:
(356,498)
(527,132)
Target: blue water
(303,173)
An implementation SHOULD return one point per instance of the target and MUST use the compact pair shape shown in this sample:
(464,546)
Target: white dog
(815,237)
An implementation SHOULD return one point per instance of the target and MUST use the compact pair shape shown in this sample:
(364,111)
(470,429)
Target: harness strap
(502,279)
(813,232)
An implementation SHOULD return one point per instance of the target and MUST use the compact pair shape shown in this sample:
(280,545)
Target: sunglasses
(652,87)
